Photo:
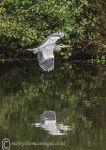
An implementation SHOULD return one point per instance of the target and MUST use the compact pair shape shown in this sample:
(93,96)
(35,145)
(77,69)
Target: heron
(45,51)
(48,122)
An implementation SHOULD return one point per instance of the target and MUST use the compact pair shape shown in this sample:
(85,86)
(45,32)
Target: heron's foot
(29,49)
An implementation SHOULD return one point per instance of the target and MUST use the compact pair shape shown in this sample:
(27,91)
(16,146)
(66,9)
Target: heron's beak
(65,46)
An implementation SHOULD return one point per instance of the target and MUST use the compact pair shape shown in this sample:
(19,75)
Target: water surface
(76,92)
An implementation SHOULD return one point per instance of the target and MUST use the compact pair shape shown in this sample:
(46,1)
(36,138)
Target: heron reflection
(48,123)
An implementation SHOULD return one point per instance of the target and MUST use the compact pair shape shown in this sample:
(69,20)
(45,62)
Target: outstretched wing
(46,62)
(46,58)
(51,39)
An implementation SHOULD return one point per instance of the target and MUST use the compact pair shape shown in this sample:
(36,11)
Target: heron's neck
(57,48)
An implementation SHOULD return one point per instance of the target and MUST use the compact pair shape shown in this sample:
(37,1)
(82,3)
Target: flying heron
(45,51)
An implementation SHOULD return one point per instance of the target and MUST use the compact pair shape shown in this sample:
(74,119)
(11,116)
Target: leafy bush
(25,23)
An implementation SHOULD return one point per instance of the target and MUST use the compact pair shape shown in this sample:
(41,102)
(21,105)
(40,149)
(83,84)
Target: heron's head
(59,47)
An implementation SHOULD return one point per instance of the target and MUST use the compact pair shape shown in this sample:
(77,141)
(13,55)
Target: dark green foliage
(25,23)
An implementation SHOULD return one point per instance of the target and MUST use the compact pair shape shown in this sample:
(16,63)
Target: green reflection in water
(75,92)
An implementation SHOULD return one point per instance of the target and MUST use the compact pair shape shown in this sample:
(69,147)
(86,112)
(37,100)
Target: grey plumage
(45,51)
(47,115)
(45,64)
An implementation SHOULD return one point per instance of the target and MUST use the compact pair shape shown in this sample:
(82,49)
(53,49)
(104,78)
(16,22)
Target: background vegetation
(25,23)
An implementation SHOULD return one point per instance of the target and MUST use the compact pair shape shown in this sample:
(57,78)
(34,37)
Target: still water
(64,109)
